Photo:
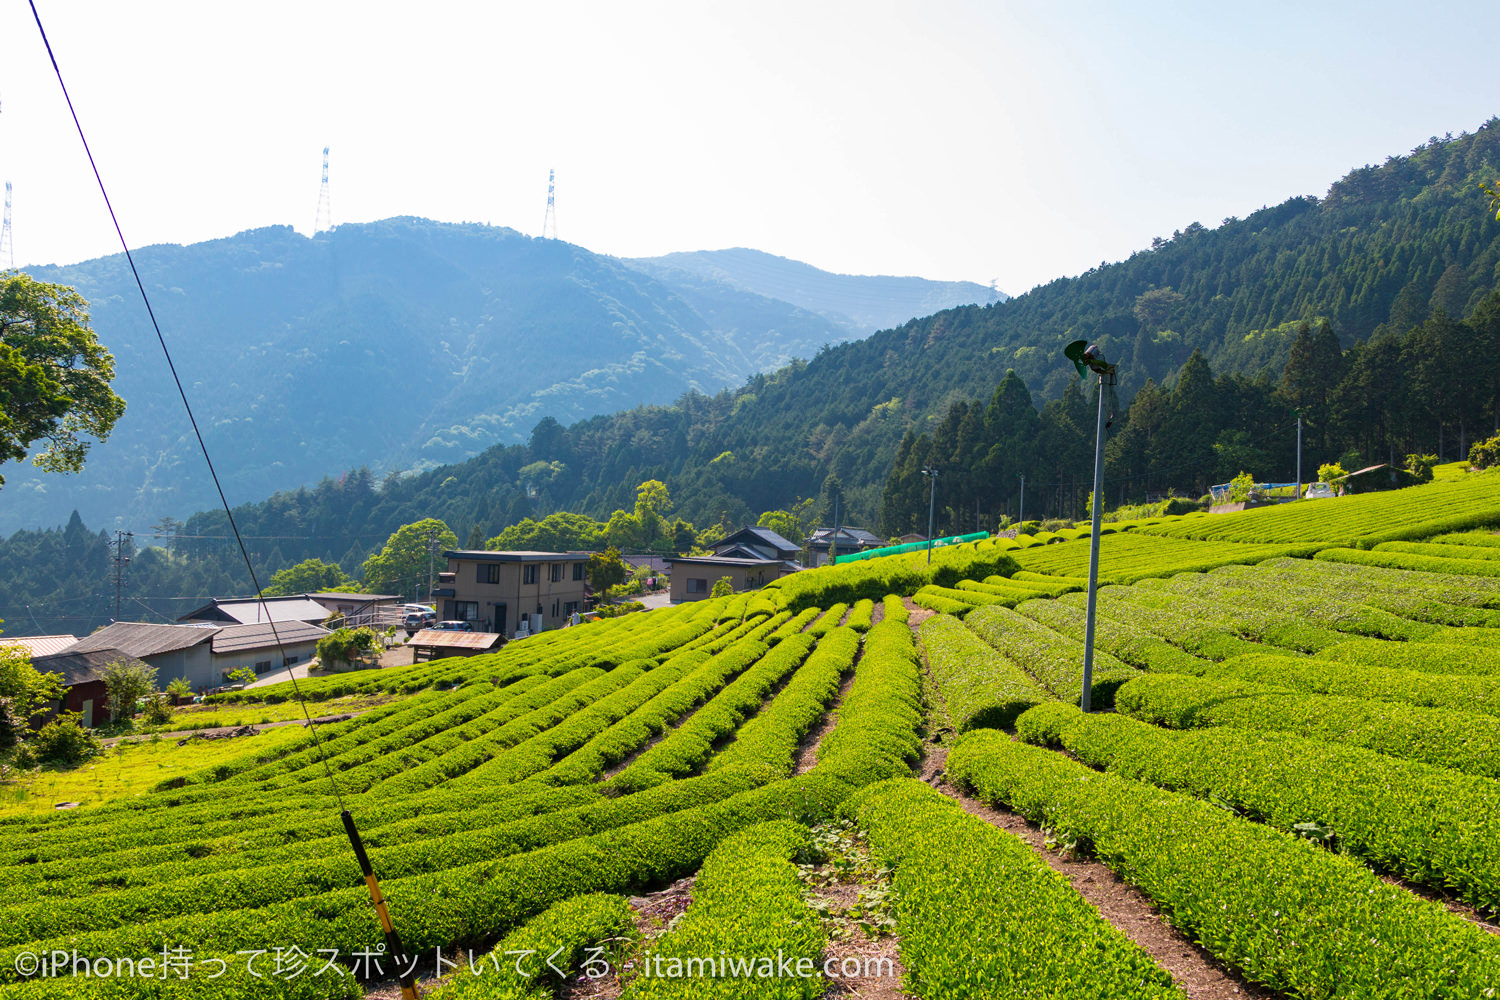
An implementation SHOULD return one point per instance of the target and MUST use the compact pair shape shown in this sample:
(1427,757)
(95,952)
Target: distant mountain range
(858,303)
(406,344)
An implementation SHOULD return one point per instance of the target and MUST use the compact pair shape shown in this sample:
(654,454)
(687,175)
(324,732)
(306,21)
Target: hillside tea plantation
(1297,768)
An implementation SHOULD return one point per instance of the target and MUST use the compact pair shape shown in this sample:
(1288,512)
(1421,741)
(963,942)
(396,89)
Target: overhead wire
(177,380)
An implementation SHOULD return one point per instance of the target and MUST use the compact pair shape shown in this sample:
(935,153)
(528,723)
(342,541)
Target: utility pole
(1021,511)
(431,560)
(833,540)
(1299,454)
(932,476)
(121,561)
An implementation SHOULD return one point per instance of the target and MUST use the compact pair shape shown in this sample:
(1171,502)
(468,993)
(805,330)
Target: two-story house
(750,558)
(503,591)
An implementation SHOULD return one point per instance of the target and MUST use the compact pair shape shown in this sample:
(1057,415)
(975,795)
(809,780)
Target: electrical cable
(181,392)
(408,984)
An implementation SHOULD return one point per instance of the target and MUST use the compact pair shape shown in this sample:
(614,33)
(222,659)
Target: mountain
(1387,248)
(860,304)
(396,345)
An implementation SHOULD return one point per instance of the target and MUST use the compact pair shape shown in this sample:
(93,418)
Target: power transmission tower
(7,249)
(325,207)
(121,562)
(549,224)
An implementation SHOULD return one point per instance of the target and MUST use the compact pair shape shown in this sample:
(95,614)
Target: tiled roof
(139,640)
(40,645)
(248,610)
(235,638)
(78,667)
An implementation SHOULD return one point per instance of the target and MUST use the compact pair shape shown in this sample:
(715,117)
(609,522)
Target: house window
(557,572)
(528,573)
(288,661)
(491,573)
(466,611)
(554,609)
(261,666)
(697,586)
(570,609)
(578,571)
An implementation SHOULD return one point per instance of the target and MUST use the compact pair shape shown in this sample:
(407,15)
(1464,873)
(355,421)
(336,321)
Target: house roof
(40,645)
(730,561)
(235,638)
(248,610)
(759,536)
(846,535)
(78,667)
(449,639)
(483,555)
(334,595)
(139,640)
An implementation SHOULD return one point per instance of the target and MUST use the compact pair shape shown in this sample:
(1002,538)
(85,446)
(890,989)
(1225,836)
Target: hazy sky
(1017,142)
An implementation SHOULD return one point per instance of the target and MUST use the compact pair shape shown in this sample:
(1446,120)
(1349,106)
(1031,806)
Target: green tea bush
(1296,918)
(980,914)
(1425,823)
(1463,741)
(981,688)
(1054,660)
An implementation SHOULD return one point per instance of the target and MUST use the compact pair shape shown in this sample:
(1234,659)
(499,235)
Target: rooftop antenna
(7,249)
(325,207)
(549,224)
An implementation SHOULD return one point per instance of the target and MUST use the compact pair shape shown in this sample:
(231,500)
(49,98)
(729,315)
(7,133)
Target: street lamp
(932,474)
(1087,357)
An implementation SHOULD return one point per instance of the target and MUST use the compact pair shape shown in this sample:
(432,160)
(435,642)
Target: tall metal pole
(1098,510)
(931,475)
(1021,512)
(1299,454)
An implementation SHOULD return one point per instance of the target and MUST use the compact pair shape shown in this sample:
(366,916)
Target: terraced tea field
(1297,771)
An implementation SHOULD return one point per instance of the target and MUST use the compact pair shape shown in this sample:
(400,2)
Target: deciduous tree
(54,376)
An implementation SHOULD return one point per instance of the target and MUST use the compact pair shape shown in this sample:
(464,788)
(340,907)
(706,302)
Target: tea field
(1297,763)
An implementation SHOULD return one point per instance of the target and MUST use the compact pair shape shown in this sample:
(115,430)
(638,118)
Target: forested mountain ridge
(1378,254)
(1390,258)
(397,344)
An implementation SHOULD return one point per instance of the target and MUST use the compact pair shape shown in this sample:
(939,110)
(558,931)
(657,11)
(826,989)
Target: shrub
(342,645)
(158,710)
(722,588)
(127,682)
(65,741)
(1420,466)
(1240,487)
(1331,472)
(1485,454)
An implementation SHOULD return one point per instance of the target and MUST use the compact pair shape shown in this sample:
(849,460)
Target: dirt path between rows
(226,732)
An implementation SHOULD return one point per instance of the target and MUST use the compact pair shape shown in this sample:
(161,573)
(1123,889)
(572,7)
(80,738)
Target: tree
(125,683)
(607,569)
(652,501)
(310,576)
(405,562)
(722,588)
(54,376)
(25,692)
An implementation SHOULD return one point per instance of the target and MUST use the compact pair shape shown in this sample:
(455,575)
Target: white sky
(1010,141)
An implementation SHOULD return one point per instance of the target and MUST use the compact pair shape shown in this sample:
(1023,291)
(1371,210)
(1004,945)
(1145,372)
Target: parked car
(1318,491)
(419,619)
(455,626)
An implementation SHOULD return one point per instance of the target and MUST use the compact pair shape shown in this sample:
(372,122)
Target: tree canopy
(408,558)
(54,376)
